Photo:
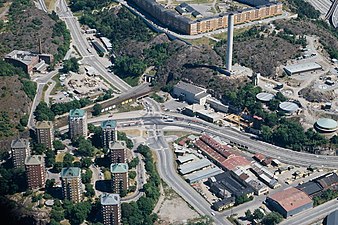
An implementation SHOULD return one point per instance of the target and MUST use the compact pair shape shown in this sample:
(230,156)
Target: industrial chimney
(230,42)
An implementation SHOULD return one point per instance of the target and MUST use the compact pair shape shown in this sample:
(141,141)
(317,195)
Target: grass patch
(129,107)
(107,175)
(59,157)
(132,81)
(157,98)
(50,4)
(57,86)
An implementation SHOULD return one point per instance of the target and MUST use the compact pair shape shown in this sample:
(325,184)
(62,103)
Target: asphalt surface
(81,44)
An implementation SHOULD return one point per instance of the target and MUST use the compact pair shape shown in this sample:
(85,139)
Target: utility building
(20,150)
(71,184)
(44,133)
(35,171)
(109,132)
(111,209)
(77,122)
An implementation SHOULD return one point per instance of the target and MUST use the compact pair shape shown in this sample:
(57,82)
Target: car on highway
(212,213)
(90,51)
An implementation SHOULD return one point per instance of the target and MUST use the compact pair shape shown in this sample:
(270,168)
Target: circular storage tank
(264,97)
(326,125)
(288,107)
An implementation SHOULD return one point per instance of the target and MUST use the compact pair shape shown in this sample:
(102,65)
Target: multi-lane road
(82,46)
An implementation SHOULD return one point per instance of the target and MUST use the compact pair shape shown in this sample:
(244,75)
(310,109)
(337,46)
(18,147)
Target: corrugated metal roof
(193,166)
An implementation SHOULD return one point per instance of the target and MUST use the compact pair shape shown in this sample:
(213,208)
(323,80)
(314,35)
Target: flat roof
(264,96)
(327,123)
(203,174)
(302,67)
(106,42)
(193,166)
(110,199)
(119,168)
(190,88)
(186,158)
(291,198)
(25,57)
(288,106)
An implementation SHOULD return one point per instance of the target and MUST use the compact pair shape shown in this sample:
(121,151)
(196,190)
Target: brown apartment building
(111,209)
(185,25)
(71,184)
(44,133)
(119,177)
(35,171)
(20,150)
(118,152)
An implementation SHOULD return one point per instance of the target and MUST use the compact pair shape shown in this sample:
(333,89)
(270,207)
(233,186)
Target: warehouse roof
(186,158)
(302,67)
(190,88)
(291,198)
(193,166)
(234,162)
(110,199)
(203,174)
(310,187)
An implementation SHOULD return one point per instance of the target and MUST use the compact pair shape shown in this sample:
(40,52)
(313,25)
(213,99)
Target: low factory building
(229,182)
(224,204)
(302,68)
(289,202)
(190,93)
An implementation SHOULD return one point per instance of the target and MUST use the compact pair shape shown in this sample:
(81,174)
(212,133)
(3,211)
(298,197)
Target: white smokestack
(230,42)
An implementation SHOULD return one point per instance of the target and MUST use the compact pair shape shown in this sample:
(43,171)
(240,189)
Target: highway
(81,44)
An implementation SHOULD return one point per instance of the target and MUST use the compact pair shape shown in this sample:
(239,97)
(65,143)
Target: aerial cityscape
(164,112)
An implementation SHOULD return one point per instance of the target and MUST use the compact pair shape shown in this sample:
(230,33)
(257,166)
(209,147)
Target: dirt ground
(174,210)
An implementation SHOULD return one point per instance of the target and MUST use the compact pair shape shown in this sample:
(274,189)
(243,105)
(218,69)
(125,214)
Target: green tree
(132,174)
(86,162)
(87,176)
(123,137)
(272,218)
(70,65)
(57,167)
(258,214)
(68,160)
(97,109)
(50,158)
(133,163)
(85,147)
(43,112)
(57,215)
(248,215)
(58,145)
(90,192)
(39,149)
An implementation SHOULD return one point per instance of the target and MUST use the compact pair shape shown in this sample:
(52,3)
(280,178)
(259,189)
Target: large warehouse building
(289,202)
(302,68)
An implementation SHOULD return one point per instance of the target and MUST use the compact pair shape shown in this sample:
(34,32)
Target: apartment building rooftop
(34,160)
(108,124)
(77,113)
(119,168)
(110,199)
(70,172)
